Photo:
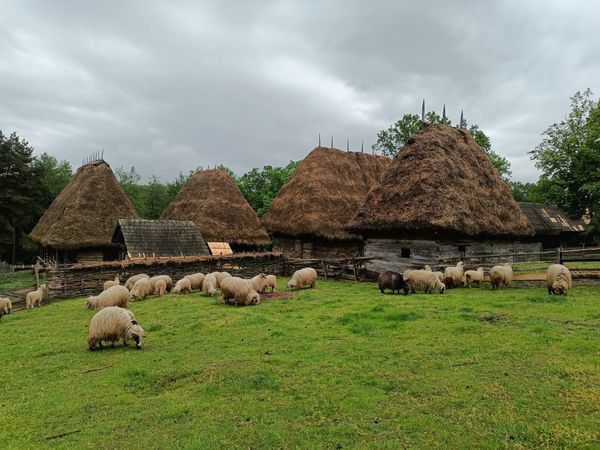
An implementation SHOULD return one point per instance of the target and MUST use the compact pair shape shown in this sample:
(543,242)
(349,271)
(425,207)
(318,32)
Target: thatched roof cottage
(79,224)
(309,215)
(212,200)
(441,197)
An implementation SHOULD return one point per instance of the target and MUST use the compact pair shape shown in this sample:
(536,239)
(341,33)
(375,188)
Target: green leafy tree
(569,157)
(392,139)
(156,198)
(130,182)
(260,186)
(21,191)
(55,177)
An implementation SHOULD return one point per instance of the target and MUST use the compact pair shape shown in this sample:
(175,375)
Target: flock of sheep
(558,279)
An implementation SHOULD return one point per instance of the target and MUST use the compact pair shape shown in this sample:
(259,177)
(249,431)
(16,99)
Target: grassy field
(341,366)
(17,280)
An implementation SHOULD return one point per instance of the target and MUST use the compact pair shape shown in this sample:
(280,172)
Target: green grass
(340,366)
(17,280)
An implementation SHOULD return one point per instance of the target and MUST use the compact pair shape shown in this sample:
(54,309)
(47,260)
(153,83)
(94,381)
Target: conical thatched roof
(324,193)
(442,181)
(215,204)
(86,212)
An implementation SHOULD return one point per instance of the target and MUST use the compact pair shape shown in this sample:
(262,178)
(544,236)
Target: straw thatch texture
(442,181)
(85,213)
(324,193)
(159,238)
(215,204)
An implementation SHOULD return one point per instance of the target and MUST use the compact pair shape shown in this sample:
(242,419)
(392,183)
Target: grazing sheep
(183,286)
(219,276)
(259,283)
(501,276)
(558,279)
(112,324)
(196,280)
(271,282)
(440,276)
(209,285)
(303,277)
(167,278)
(111,283)
(131,280)
(34,298)
(160,286)
(406,274)
(114,296)
(424,280)
(427,268)
(142,289)
(453,275)
(5,306)
(473,276)
(392,280)
(237,291)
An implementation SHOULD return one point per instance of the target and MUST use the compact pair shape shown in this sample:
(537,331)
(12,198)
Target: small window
(405,253)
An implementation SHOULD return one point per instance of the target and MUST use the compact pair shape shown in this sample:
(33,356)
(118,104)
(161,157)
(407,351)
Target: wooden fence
(332,268)
(88,279)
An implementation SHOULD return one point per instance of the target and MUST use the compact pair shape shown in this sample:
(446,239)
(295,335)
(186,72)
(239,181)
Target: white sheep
(238,291)
(111,283)
(142,289)
(167,278)
(34,298)
(453,275)
(5,306)
(501,276)
(259,283)
(183,286)
(303,277)
(209,285)
(196,280)
(112,324)
(114,296)
(131,280)
(473,276)
(558,279)
(271,282)
(440,276)
(160,286)
(424,280)
(219,276)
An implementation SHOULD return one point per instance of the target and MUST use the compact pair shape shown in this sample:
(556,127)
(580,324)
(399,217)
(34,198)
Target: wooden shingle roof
(547,219)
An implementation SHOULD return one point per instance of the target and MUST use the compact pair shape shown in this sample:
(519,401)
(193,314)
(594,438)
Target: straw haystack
(309,215)
(79,223)
(212,200)
(442,197)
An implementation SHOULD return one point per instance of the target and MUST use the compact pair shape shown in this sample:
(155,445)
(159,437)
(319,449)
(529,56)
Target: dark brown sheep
(392,280)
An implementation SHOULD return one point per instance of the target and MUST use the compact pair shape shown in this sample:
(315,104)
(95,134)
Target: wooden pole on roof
(332,141)
(319,139)
(461,119)
(423,111)
(444,114)
(362,146)
(347,144)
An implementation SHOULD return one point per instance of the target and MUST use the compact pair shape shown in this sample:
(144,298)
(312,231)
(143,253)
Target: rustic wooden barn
(441,197)
(553,227)
(308,216)
(139,238)
(212,200)
(79,224)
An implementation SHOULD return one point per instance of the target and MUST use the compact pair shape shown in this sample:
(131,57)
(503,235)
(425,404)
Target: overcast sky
(171,86)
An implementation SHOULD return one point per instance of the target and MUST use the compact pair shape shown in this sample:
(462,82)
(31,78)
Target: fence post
(324,268)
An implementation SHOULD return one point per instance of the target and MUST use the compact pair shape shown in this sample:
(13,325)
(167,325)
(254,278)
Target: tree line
(568,156)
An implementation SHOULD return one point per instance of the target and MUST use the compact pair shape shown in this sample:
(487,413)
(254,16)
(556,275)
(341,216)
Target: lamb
(111,283)
(183,286)
(425,280)
(473,276)
(167,278)
(303,277)
(112,324)
(558,280)
(34,298)
(453,275)
(196,280)
(271,282)
(114,296)
(160,286)
(259,283)
(209,285)
(501,275)
(131,280)
(219,276)
(142,289)
(238,291)
(5,306)
(392,280)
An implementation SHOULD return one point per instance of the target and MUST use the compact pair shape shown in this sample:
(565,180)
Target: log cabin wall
(307,247)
